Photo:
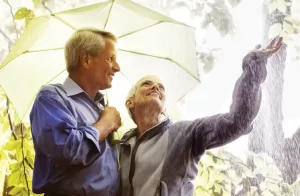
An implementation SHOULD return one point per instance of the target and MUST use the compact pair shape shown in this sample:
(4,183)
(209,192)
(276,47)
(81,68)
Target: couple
(70,127)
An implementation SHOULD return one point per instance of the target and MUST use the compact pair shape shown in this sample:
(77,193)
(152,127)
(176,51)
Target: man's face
(103,67)
(150,93)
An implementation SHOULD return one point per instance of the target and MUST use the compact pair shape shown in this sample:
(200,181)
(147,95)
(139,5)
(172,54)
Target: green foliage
(24,13)
(221,173)
(207,16)
(17,153)
(289,28)
(218,14)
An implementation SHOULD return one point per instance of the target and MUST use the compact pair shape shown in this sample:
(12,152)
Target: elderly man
(70,125)
(160,157)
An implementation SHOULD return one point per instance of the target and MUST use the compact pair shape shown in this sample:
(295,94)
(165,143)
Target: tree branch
(10,42)
(23,161)
(9,119)
(12,15)
(12,129)
(27,162)
(46,7)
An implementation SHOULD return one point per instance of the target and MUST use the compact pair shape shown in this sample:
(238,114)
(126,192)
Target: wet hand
(273,47)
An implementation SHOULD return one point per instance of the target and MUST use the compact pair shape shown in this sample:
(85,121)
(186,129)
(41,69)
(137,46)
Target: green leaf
(200,190)
(15,191)
(19,154)
(21,13)
(23,192)
(209,153)
(15,167)
(210,167)
(6,126)
(281,6)
(30,15)
(200,164)
(275,30)
(266,193)
(14,178)
(12,145)
(288,27)
(215,159)
(4,156)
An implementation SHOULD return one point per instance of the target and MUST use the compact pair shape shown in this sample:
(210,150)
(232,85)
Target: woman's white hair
(133,90)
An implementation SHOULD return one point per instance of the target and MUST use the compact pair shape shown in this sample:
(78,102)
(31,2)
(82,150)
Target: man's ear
(85,59)
(130,103)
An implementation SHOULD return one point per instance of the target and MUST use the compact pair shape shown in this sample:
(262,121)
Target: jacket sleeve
(57,135)
(220,129)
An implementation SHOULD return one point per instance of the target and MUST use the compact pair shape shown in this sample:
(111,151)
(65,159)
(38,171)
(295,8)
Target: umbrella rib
(112,3)
(159,22)
(135,31)
(44,50)
(37,93)
(63,21)
(22,117)
(159,57)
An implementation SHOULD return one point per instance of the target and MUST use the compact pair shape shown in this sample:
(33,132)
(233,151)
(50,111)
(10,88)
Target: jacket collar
(161,127)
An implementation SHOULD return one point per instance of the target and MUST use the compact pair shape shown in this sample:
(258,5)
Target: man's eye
(111,59)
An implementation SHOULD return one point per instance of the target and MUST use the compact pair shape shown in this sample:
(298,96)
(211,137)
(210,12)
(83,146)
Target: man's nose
(116,67)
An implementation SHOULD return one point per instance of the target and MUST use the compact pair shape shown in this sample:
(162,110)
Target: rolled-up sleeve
(57,134)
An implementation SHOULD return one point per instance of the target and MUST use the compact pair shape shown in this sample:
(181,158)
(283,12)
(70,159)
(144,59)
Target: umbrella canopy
(148,43)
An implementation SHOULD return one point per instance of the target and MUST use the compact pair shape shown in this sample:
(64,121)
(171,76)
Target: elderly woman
(160,157)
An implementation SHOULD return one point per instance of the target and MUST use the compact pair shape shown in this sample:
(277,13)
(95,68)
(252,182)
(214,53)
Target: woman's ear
(129,103)
(165,112)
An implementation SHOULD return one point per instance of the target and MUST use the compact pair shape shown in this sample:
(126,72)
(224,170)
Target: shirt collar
(72,88)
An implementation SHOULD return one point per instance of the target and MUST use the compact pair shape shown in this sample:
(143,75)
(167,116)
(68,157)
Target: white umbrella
(148,43)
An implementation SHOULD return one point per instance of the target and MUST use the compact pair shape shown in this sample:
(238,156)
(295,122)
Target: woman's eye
(146,83)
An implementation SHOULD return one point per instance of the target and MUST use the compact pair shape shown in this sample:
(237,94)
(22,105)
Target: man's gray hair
(88,40)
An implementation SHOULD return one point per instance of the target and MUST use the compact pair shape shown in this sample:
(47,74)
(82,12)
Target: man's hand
(110,120)
(273,47)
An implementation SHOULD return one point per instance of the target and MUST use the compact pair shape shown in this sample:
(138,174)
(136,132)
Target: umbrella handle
(107,102)
(114,136)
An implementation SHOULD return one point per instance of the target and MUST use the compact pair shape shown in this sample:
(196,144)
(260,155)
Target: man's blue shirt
(69,158)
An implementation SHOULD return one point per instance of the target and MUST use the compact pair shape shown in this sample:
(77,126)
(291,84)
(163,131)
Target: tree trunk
(267,135)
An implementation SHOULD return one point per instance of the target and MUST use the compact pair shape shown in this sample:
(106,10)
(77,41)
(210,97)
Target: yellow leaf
(281,6)
(288,28)
(21,13)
